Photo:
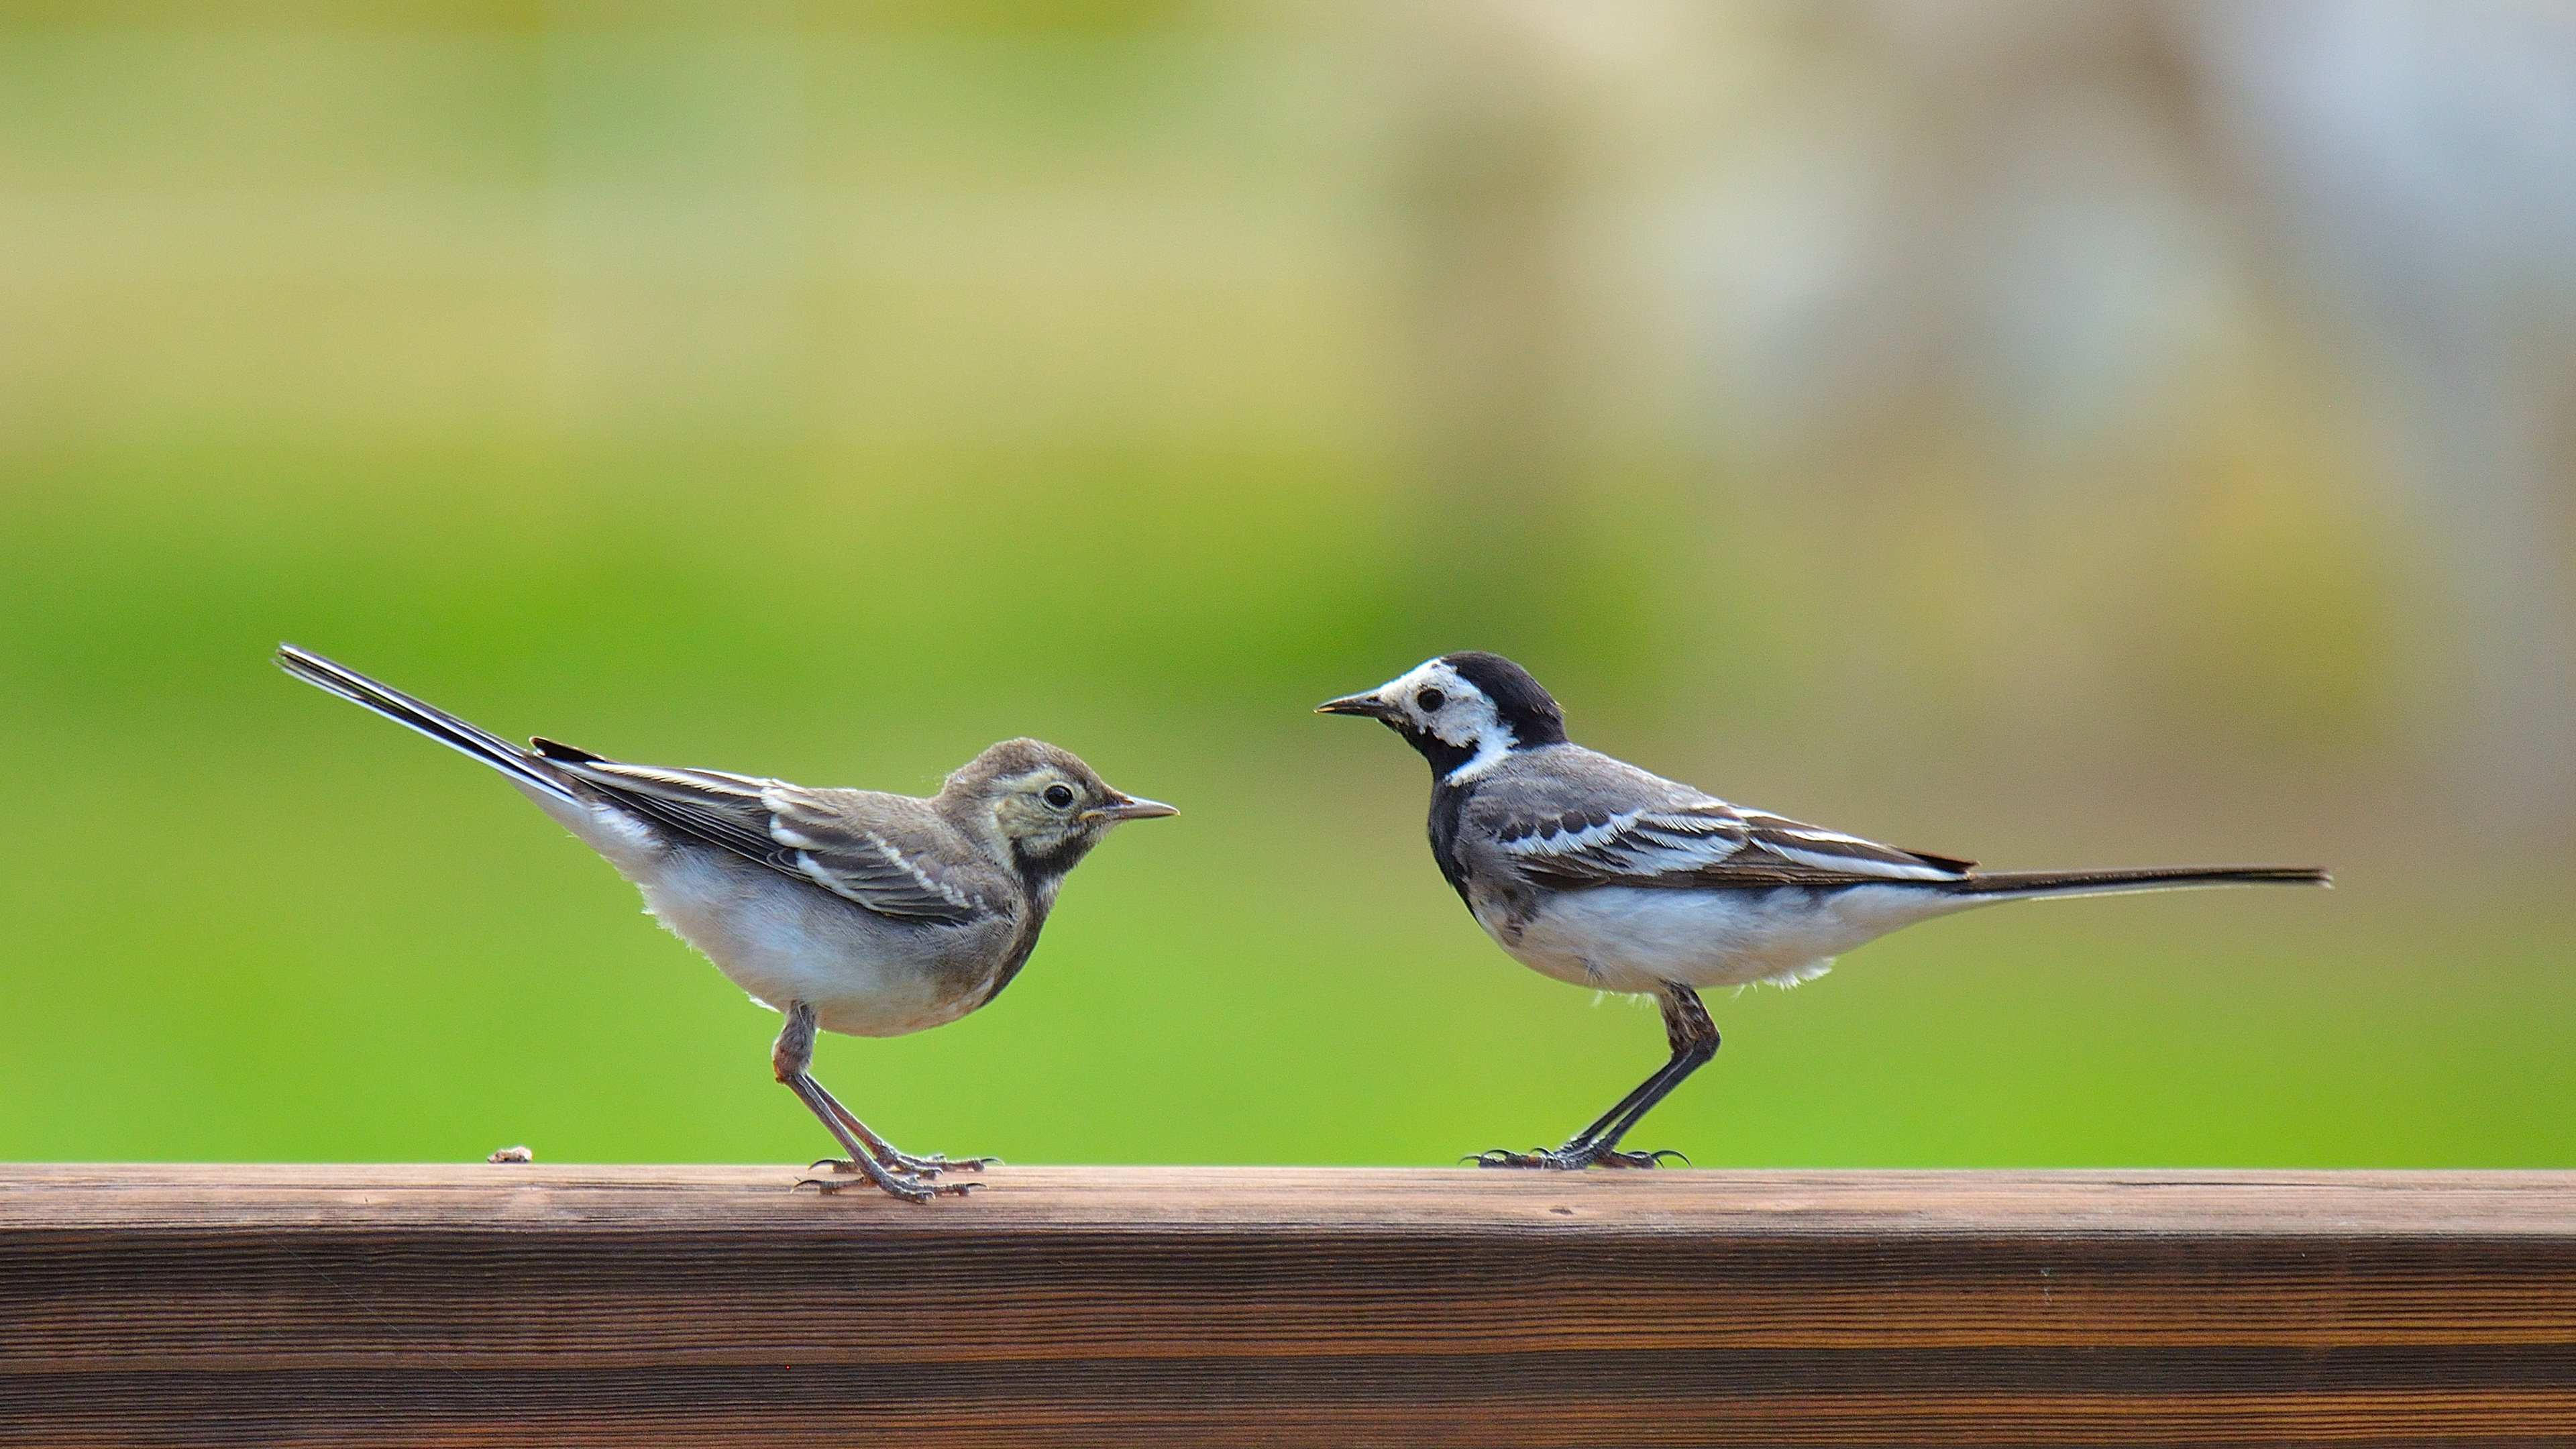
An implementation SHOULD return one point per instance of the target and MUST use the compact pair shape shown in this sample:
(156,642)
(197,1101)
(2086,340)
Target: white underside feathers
(1621,938)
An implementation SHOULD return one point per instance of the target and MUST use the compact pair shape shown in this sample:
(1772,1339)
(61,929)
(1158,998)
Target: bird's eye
(1059,797)
(1430,700)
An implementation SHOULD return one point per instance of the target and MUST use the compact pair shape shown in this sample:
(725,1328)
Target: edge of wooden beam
(1700,1203)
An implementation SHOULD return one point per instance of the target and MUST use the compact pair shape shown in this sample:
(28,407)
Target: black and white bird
(1593,871)
(843,910)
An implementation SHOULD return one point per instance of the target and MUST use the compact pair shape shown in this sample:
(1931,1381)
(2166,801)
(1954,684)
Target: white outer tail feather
(473,741)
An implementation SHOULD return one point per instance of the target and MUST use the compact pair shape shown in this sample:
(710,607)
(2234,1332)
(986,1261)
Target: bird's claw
(908,1165)
(898,1164)
(1638,1159)
(1572,1159)
(909,1188)
(938,1162)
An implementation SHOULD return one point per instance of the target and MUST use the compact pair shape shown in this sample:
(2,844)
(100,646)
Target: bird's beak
(1128,807)
(1361,704)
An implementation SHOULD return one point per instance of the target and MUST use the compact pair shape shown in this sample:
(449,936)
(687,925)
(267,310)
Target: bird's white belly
(784,943)
(1619,938)
(781,941)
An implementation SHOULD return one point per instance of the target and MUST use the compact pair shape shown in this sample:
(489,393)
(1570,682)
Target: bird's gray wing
(874,850)
(883,852)
(1703,844)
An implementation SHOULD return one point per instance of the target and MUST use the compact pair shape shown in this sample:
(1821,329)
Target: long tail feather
(512,760)
(2114,882)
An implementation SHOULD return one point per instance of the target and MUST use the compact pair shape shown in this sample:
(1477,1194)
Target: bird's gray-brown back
(894,855)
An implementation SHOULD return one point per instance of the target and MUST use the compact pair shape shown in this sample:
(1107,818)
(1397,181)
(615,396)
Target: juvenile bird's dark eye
(1430,700)
(1059,796)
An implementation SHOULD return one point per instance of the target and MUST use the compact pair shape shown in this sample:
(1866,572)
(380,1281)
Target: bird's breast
(1448,809)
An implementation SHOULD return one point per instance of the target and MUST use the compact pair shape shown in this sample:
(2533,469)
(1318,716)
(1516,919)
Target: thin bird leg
(1635,1095)
(789,1059)
(1694,1040)
(1593,1145)
(886,1152)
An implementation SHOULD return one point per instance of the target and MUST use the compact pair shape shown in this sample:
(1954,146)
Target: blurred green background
(2058,434)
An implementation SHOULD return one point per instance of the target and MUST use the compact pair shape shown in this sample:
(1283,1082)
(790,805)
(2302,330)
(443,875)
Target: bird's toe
(910,1189)
(935,1163)
(1637,1159)
(1571,1158)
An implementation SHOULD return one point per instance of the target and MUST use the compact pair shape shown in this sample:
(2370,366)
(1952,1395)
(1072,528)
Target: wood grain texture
(708,1305)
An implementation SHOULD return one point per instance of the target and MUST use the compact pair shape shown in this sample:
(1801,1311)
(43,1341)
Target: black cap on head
(1529,710)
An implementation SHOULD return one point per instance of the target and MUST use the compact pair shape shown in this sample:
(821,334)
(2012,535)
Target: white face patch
(1459,714)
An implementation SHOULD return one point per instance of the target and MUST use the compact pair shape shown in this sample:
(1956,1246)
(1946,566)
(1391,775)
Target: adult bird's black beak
(1360,704)
(1129,807)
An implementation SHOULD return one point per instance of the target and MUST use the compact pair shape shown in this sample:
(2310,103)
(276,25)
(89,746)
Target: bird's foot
(937,1163)
(1640,1159)
(911,1166)
(902,1185)
(1573,1157)
(911,1187)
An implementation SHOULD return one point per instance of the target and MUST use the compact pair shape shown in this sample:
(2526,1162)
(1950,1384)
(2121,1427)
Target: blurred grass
(831,394)
(252,922)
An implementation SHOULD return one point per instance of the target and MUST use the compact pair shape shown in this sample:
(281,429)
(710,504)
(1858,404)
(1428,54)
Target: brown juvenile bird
(845,910)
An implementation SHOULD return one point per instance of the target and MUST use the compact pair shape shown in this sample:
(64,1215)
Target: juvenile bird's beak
(1128,807)
(1361,704)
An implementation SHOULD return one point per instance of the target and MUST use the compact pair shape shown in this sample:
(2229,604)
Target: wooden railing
(1119,1306)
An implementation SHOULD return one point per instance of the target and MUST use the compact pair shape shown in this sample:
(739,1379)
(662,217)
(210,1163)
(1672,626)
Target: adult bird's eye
(1059,796)
(1430,700)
